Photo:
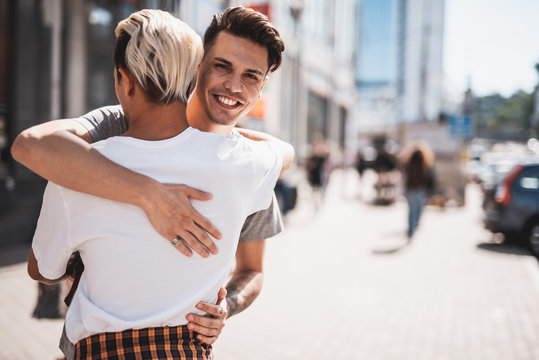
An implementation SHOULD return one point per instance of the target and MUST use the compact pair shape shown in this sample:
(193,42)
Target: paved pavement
(343,283)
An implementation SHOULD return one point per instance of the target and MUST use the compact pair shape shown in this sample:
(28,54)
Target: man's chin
(224,120)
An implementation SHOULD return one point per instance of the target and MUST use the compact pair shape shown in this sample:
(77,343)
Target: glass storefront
(102,17)
(317,117)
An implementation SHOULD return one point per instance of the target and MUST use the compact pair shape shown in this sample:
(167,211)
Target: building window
(102,19)
(317,117)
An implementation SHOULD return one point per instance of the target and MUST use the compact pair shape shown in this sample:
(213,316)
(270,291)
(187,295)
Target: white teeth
(227,101)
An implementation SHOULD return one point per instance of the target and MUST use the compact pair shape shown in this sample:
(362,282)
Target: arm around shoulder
(285,149)
(60,151)
(37,143)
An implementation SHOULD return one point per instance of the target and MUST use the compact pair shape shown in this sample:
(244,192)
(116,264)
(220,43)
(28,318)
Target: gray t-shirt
(110,121)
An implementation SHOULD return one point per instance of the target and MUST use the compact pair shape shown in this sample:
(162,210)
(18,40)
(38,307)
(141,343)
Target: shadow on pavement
(504,248)
(390,250)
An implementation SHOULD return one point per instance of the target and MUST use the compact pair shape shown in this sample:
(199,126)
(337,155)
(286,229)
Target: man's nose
(233,83)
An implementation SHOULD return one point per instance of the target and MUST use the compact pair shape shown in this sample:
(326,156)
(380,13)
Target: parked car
(512,207)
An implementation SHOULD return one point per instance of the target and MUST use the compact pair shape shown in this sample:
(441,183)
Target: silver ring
(176,240)
(221,311)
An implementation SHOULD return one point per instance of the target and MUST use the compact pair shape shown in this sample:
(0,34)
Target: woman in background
(417,165)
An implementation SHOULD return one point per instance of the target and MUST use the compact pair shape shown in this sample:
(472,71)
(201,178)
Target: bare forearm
(66,159)
(60,152)
(242,290)
(33,272)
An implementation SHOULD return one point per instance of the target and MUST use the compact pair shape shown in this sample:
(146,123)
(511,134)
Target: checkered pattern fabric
(168,343)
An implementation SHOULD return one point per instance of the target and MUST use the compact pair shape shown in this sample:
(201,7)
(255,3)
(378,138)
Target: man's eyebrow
(252,71)
(220,59)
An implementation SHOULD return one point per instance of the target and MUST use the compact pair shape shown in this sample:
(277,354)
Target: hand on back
(169,210)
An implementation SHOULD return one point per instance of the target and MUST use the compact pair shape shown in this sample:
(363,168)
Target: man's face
(231,77)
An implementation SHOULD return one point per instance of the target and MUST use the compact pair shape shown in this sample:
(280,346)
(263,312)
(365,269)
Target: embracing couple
(162,196)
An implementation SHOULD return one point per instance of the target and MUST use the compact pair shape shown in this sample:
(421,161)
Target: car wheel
(533,238)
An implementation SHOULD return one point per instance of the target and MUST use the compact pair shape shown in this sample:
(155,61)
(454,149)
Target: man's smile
(227,102)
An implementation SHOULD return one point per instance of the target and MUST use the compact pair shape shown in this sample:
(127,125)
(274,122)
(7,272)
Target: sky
(493,42)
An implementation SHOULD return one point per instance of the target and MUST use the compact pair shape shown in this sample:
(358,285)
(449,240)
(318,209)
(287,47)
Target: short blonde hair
(161,51)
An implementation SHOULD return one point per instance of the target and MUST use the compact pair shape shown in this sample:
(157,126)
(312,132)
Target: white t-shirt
(133,276)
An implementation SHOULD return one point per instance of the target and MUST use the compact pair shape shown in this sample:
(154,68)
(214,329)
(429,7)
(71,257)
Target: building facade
(58,64)
(313,94)
(399,66)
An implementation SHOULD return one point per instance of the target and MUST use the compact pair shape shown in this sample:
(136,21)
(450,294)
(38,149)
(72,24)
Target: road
(343,283)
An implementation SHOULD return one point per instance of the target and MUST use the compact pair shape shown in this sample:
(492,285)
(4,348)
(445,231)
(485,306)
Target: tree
(504,118)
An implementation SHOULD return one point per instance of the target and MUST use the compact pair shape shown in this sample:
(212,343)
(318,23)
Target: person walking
(417,167)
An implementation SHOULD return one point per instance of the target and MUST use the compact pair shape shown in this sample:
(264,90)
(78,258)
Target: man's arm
(246,282)
(242,289)
(60,152)
(286,150)
(33,271)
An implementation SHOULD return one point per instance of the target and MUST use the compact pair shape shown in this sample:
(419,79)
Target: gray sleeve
(263,224)
(104,122)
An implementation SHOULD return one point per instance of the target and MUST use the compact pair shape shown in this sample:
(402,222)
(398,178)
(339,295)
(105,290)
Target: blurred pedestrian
(317,169)
(360,163)
(417,167)
(386,166)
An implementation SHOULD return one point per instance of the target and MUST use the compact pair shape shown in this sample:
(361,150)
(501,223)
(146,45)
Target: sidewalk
(21,336)
(344,284)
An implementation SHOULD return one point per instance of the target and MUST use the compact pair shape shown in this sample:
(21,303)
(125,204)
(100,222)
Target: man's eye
(252,77)
(220,66)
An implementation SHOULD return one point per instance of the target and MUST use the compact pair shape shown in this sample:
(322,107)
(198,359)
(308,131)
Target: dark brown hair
(251,25)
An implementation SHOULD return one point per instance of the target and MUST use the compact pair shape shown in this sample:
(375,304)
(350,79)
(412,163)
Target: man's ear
(198,69)
(262,86)
(128,82)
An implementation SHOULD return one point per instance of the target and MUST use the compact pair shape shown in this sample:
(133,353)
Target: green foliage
(504,118)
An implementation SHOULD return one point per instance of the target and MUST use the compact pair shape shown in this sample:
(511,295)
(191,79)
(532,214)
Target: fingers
(188,240)
(217,311)
(221,295)
(197,218)
(201,236)
(184,249)
(196,194)
(205,325)
(208,328)
(195,239)
(172,214)
(205,339)
(206,225)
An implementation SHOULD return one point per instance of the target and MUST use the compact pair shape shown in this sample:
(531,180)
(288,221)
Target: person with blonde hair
(417,167)
(60,151)
(135,293)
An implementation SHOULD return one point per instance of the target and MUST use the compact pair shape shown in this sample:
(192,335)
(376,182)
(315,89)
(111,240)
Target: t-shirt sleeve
(268,163)
(263,224)
(51,244)
(105,122)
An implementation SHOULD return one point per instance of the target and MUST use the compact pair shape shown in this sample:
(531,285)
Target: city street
(343,283)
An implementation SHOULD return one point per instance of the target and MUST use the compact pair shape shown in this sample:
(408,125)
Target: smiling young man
(230,82)
(129,300)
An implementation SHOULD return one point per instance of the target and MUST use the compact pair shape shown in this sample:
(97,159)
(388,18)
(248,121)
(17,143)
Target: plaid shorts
(140,344)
